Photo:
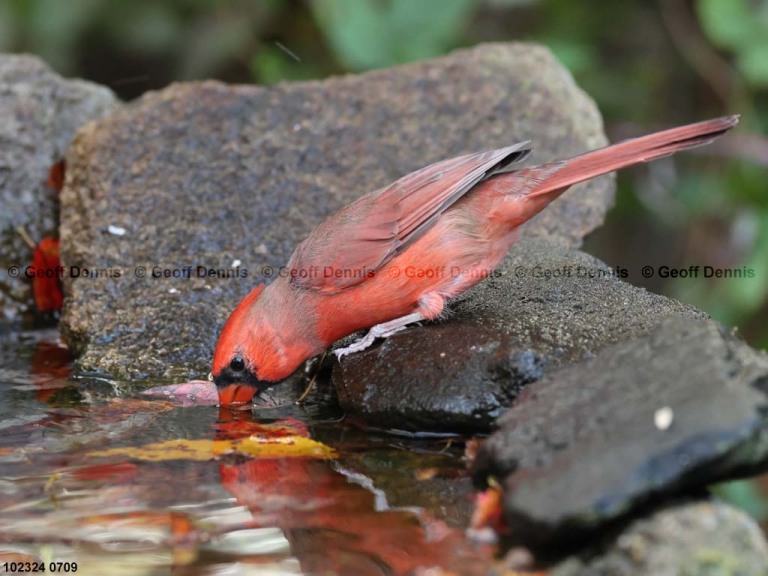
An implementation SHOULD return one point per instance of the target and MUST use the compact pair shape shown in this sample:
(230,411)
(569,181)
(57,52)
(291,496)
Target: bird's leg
(383,330)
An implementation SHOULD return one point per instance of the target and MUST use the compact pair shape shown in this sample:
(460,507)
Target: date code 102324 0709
(39,567)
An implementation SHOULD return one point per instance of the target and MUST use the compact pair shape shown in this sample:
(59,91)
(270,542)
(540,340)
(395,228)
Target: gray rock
(206,174)
(548,306)
(666,413)
(39,114)
(706,538)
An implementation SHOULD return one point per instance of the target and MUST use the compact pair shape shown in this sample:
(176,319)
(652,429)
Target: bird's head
(245,353)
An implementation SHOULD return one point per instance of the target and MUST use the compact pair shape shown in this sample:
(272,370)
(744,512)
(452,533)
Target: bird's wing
(363,236)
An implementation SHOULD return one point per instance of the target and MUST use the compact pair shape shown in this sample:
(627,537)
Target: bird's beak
(236,394)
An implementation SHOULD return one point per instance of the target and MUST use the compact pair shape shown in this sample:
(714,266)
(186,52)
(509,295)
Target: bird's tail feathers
(559,176)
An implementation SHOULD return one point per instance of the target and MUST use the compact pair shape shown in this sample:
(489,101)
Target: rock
(548,306)
(205,174)
(39,114)
(706,538)
(666,413)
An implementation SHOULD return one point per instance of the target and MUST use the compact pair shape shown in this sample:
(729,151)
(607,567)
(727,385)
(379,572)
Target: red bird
(397,255)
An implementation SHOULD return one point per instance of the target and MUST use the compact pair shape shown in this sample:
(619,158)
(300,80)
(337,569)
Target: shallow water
(363,503)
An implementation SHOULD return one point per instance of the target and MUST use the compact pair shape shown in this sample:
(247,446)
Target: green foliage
(578,57)
(273,64)
(196,37)
(368,34)
(50,26)
(740,26)
(743,494)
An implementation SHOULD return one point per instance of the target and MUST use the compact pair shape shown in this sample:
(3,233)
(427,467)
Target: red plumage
(397,255)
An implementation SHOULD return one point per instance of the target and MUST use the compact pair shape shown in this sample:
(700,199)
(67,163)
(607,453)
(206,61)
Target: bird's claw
(378,331)
(358,346)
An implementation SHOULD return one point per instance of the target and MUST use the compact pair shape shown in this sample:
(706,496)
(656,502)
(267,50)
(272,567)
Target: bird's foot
(383,330)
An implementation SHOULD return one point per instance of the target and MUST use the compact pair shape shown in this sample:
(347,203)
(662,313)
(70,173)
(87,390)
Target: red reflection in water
(117,473)
(51,366)
(335,525)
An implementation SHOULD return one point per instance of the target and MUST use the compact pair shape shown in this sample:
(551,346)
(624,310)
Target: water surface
(366,503)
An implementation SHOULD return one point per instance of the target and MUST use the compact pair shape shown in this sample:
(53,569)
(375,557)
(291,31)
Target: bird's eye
(237,364)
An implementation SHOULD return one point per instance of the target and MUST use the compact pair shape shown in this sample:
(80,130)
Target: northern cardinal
(396,255)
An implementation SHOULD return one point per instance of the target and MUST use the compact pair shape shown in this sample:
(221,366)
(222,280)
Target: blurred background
(648,64)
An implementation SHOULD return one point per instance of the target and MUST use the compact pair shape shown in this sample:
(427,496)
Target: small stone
(663,417)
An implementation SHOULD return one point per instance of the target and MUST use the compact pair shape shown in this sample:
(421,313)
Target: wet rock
(549,306)
(706,538)
(211,175)
(39,114)
(667,413)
